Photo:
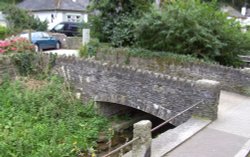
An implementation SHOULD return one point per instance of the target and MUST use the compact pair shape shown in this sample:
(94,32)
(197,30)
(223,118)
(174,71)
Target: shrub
(192,27)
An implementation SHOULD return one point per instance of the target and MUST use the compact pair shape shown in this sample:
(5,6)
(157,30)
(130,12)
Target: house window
(74,18)
(52,17)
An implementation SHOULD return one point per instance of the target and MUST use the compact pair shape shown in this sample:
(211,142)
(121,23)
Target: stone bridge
(158,94)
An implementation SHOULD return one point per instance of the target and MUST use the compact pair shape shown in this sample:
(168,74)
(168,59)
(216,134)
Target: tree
(11,1)
(20,19)
(115,23)
(192,27)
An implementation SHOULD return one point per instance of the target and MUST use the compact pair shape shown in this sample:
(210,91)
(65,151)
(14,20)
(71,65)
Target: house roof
(231,11)
(48,5)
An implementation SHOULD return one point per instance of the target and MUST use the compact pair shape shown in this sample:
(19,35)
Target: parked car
(42,40)
(67,28)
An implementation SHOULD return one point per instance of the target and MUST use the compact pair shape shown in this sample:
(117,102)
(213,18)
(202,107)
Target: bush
(192,27)
(43,119)
(15,45)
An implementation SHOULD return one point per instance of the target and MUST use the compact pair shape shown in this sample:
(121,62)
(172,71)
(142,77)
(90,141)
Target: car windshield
(59,27)
(45,35)
(35,35)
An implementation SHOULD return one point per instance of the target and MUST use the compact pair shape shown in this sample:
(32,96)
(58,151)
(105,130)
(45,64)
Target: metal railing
(152,130)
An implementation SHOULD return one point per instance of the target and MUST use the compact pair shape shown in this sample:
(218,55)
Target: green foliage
(83,51)
(192,27)
(115,23)
(89,49)
(4,31)
(33,64)
(20,19)
(161,56)
(246,91)
(11,1)
(121,30)
(46,121)
(172,58)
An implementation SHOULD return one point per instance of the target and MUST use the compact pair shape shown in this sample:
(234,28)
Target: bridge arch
(123,101)
(158,94)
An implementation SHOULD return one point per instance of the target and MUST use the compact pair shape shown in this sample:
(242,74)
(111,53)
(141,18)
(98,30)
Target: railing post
(142,147)
(210,89)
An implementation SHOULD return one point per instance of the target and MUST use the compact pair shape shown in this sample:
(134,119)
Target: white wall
(83,16)
(54,18)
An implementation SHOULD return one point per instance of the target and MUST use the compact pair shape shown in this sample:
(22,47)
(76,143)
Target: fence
(144,137)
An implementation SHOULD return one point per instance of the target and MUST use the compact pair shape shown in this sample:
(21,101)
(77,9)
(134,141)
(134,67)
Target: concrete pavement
(228,136)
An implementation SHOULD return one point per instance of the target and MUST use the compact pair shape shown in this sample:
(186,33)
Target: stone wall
(73,42)
(233,80)
(158,94)
(68,42)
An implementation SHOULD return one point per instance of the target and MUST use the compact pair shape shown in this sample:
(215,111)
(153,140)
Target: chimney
(244,11)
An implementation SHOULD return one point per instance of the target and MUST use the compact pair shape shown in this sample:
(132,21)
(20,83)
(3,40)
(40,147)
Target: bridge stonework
(158,94)
(231,79)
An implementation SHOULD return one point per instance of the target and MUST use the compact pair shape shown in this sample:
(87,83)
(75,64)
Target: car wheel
(58,45)
(37,48)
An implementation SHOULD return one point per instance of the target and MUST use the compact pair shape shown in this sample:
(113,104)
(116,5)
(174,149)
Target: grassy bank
(42,118)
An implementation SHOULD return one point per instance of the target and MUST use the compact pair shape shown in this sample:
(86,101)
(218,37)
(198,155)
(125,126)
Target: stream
(125,133)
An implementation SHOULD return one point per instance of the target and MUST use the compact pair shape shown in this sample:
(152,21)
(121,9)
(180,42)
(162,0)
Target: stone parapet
(155,93)
(231,79)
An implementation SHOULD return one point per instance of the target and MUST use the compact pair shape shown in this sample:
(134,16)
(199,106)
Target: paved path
(226,136)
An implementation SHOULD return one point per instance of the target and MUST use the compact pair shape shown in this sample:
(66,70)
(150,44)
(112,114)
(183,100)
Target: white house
(56,11)
(232,13)
(243,17)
